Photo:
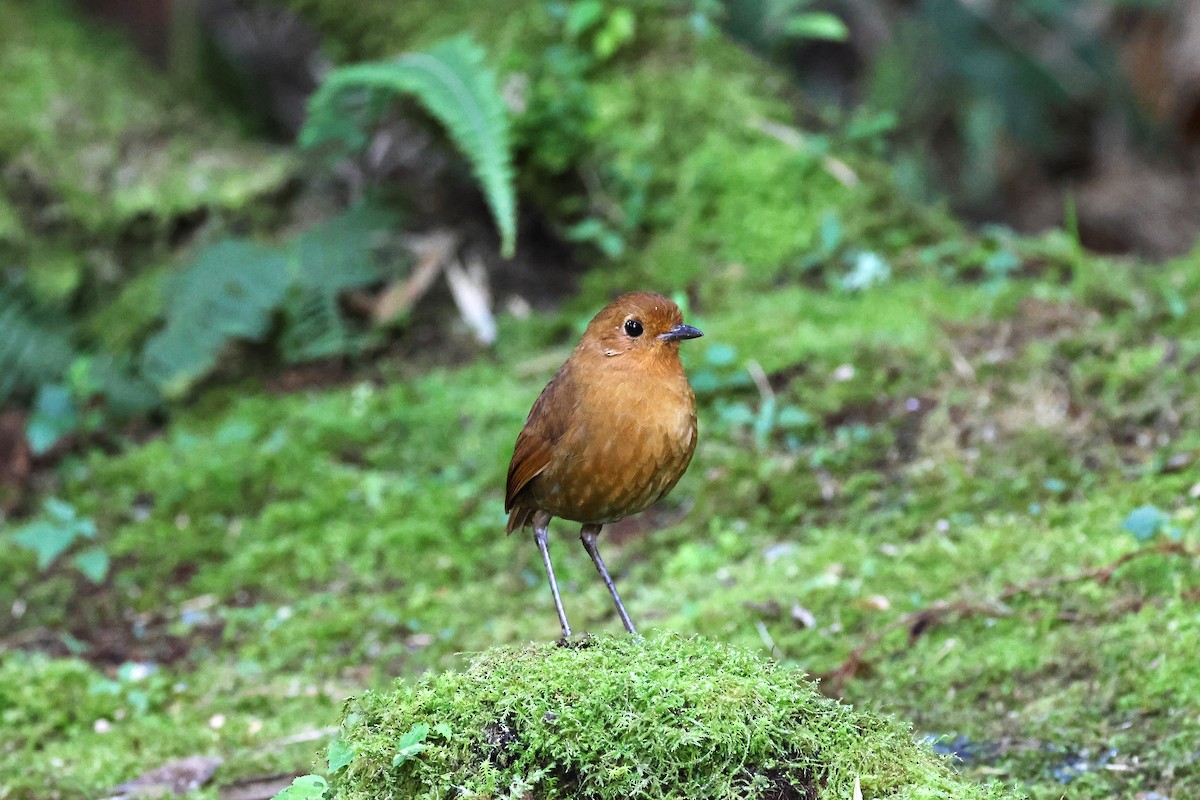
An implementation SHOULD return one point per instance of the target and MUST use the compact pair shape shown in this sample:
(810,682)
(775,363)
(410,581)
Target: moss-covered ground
(927,466)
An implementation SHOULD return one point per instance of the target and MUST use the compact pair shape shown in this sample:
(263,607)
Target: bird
(611,434)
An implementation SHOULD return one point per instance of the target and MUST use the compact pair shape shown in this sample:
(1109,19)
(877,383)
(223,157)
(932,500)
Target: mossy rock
(622,717)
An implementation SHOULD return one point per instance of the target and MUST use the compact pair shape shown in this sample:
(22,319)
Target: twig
(761,381)
(433,251)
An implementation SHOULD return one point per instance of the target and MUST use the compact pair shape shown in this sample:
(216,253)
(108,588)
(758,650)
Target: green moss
(104,155)
(123,322)
(72,731)
(623,717)
(338,538)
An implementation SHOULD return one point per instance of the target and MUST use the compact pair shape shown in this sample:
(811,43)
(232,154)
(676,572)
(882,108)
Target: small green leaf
(720,354)
(54,416)
(736,414)
(61,510)
(46,540)
(306,787)
(341,753)
(410,744)
(49,538)
(582,16)
(93,563)
(830,233)
(443,730)
(792,417)
(617,31)
(1144,522)
(817,25)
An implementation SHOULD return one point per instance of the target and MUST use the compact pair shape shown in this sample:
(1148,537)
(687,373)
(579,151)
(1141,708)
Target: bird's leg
(588,535)
(540,523)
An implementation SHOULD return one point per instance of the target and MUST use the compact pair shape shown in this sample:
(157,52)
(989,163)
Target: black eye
(633,328)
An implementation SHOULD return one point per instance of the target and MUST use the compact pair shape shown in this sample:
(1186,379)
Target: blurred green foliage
(966,82)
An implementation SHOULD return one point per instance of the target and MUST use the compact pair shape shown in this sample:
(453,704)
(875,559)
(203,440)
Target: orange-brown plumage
(614,429)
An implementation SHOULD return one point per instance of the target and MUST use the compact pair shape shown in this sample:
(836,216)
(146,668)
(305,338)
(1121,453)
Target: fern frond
(327,259)
(34,348)
(229,292)
(236,289)
(454,84)
(38,348)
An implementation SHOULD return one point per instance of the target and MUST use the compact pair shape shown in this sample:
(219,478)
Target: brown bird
(612,432)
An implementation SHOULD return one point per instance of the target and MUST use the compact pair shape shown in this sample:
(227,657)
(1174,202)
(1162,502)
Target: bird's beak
(679,332)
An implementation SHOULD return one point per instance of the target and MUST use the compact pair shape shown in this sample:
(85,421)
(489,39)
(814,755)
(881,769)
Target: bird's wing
(543,427)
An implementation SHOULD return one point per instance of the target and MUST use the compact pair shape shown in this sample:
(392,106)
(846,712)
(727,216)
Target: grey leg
(540,523)
(588,535)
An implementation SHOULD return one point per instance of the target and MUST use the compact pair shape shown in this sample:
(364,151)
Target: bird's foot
(578,641)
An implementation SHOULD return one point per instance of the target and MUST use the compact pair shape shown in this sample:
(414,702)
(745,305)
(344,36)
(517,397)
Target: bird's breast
(632,441)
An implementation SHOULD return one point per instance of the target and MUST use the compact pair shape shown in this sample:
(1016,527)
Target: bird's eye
(633,328)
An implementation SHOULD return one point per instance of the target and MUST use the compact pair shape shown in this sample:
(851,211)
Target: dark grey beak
(679,332)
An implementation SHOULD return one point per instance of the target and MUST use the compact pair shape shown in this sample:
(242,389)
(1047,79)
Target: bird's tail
(520,517)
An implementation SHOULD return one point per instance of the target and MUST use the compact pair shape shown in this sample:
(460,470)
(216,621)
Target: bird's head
(639,324)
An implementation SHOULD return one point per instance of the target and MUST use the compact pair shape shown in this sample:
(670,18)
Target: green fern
(230,292)
(327,259)
(38,349)
(237,290)
(452,81)
(34,348)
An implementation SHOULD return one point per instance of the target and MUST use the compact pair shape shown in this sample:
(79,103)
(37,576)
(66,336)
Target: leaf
(61,510)
(341,753)
(327,259)
(35,348)
(410,744)
(720,354)
(306,787)
(617,31)
(453,83)
(793,417)
(46,540)
(229,292)
(1144,522)
(817,25)
(583,15)
(869,270)
(49,538)
(54,416)
(443,730)
(93,563)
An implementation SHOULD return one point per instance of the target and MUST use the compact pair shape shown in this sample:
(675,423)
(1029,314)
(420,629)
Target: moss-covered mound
(625,717)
